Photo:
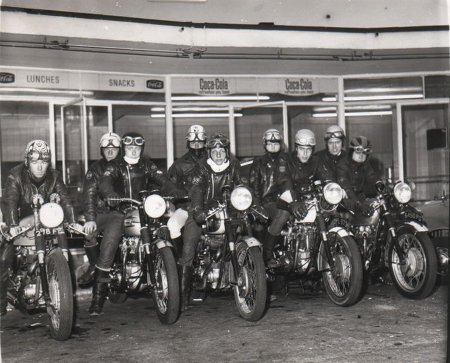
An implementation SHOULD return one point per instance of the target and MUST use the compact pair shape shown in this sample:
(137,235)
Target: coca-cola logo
(155,84)
(6,77)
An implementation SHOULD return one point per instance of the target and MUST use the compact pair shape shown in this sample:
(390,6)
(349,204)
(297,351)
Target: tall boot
(178,247)
(92,253)
(186,278)
(99,292)
(269,244)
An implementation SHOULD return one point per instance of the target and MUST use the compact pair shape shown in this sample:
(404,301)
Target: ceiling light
(351,114)
(195,115)
(374,98)
(220,98)
(371,107)
(176,109)
(41,90)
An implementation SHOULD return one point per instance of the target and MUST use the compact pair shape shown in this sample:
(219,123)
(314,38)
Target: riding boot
(186,277)
(99,292)
(92,253)
(177,247)
(269,244)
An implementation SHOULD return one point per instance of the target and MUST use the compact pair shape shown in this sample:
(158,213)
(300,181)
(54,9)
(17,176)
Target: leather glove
(77,227)
(298,209)
(15,230)
(260,212)
(366,209)
(113,203)
(90,227)
(199,216)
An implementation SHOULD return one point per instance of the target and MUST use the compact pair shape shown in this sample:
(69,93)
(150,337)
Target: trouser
(111,224)
(191,237)
(259,226)
(176,222)
(281,217)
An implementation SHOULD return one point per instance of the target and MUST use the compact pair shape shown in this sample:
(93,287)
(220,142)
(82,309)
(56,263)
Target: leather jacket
(328,164)
(127,180)
(20,188)
(357,179)
(92,203)
(263,174)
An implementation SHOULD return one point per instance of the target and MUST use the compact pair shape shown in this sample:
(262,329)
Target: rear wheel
(416,277)
(344,284)
(250,293)
(61,295)
(166,292)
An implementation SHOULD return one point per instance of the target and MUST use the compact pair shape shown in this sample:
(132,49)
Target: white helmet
(305,137)
(272,135)
(110,139)
(196,133)
(37,150)
(334,131)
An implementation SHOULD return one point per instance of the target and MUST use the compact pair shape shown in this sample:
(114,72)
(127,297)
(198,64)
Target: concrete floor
(382,327)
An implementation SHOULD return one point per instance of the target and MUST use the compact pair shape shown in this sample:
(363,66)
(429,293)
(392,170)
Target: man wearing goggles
(124,176)
(94,207)
(33,176)
(358,177)
(181,174)
(333,152)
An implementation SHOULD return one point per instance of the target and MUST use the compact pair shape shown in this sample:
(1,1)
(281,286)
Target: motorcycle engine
(365,236)
(133,273)
(298,244)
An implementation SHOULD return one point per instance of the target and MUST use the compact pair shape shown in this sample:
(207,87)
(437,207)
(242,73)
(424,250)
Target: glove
(260,212)
(113,203)
(77,227)
(15,230)
(90,227)
(366,209)
(199,216)
(298,209)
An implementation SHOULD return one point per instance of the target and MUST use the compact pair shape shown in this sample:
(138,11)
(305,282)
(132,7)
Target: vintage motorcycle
(145,260)
(40,276)
(228,256)
(395,238)
(310,250)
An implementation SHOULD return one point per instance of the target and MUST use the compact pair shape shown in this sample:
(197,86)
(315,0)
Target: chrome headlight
(333,193)
(402,192)
(51,215)
(155,206)
(241,198)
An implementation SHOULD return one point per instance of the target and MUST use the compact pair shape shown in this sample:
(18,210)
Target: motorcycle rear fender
(161,243)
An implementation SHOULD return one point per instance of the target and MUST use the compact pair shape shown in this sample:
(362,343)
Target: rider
(333,152)
(357,176)
(263,173)
(33,176)
(95,210)
(207,189)
(295,180)
(125,176)
(181,173)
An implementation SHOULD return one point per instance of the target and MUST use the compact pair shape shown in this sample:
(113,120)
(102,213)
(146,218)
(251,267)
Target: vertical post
(232,130)
(110,118)
(84,135)
(52,135)
(169,122)
(341,103)
(285,126)
(63,147)
(401,175)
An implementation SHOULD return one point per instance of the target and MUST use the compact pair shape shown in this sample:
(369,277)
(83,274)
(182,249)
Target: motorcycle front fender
(250,242)
(161,243)
(419,227)
(342,232)
(322,263)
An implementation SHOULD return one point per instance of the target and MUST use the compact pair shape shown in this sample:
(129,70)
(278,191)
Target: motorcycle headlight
(51,215)
(241,198)
(155,206)
(333,193)
(402,192)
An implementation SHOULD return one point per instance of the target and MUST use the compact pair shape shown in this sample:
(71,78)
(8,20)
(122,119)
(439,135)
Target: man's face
(38,168)
(334,146)
(304,153)
(196,144)
(133,151)
(359,156)
(110,153)
(272,147)
(218,155)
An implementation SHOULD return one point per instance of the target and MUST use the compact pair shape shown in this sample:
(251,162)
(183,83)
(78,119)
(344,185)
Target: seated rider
(33,176)
(333,153)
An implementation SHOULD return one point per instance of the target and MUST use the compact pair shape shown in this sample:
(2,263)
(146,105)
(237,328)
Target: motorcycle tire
(345,289)
(417,278)
(250,294)
(166,292)
(61,295)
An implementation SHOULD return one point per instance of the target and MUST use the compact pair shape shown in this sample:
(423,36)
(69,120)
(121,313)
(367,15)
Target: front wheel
(61,295)
(250,293)
(416,277)
(344,284)
(166,292)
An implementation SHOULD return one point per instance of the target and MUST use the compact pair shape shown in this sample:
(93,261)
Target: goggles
(196,136)
(222,142)
(337,135)
(272,141)
(111,142)
(36,155)
(360,149)
(138,141)
(308,141)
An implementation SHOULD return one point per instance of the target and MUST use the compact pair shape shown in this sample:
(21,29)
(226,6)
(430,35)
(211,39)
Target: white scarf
(131,161)
(218,168)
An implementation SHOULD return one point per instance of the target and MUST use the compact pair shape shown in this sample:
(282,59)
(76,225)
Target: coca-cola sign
(155,84)
(6,77)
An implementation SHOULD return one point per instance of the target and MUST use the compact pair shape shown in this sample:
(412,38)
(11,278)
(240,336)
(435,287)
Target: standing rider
(124,177)
(333,153)
(181,173)
(95,209)
(207,189)
(25,181)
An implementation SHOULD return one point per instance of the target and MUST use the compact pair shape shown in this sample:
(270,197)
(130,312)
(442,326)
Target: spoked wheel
(416,277)
(166,292)
(61,295)
(250,293)
(344,284)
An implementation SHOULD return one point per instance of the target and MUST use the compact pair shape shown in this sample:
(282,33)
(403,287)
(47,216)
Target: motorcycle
(145,260)
(40,275)
(395,238)
(229,257)
(309,250)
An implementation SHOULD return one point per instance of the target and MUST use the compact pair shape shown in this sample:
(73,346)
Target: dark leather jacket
(92,203)
(357,179)
(20,188)
(207,185)
(328,164)
(263,174)
(126,180)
